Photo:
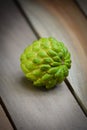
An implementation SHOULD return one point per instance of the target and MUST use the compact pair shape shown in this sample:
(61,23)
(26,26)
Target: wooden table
(27,108)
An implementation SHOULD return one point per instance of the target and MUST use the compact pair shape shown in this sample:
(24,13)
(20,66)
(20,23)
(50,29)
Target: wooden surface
(30,108)
(4,122)
(64,21)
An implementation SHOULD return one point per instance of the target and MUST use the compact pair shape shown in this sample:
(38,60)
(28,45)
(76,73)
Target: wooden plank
(30,108)
(64,21)
(4,122)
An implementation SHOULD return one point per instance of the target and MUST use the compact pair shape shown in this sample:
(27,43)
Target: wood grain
(64,21)
(30,108)
(4,122)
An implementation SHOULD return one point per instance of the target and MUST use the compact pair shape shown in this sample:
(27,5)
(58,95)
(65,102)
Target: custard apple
(46,62)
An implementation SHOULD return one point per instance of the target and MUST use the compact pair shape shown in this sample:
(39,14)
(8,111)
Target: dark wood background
(21,22)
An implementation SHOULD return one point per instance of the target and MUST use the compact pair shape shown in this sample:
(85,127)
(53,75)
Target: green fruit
(46,62)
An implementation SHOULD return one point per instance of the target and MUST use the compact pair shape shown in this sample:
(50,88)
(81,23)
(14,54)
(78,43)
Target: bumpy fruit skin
(46,62)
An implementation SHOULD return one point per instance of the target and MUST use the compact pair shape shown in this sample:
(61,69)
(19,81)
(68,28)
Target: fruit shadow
(28,85)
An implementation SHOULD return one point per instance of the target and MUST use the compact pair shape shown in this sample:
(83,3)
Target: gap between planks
(7,114)
(27,19)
